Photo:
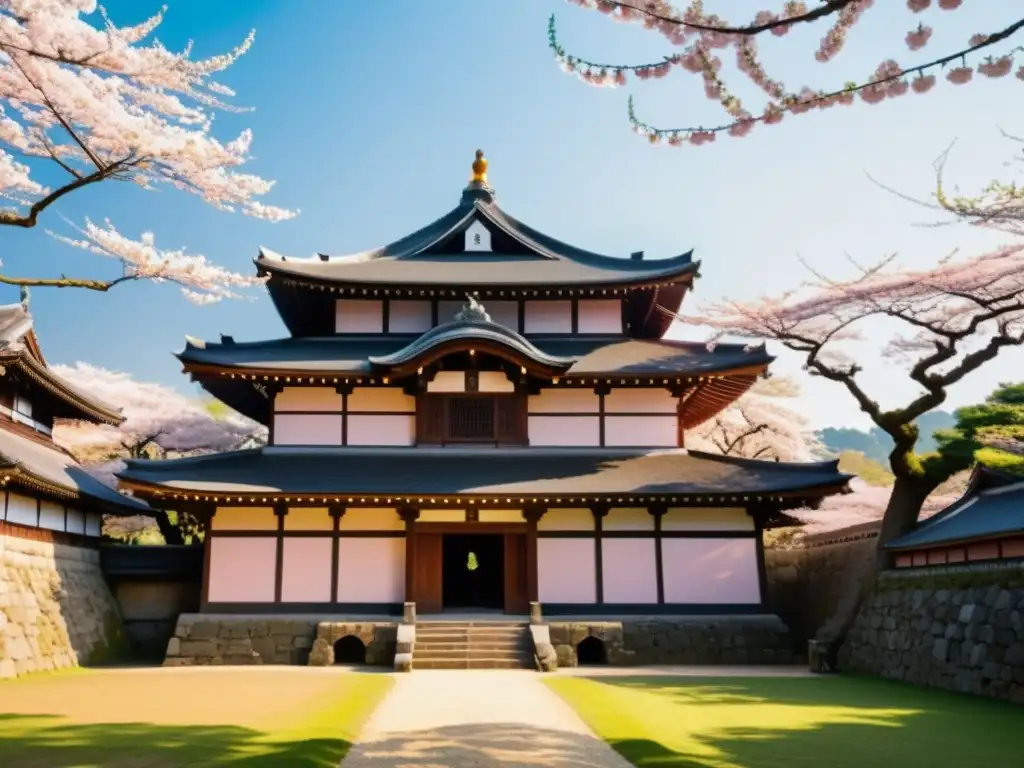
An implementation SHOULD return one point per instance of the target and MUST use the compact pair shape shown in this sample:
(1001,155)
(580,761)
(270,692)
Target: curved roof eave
(470,331)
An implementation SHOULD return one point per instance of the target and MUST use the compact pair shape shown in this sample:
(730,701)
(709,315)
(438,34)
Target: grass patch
(321,721)
(832,722)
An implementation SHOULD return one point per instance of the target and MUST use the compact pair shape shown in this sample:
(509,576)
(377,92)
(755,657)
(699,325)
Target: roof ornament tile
(472,311)
(478,188)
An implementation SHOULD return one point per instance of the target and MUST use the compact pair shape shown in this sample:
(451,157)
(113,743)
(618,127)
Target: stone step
(483,663)
(516,644)
(456,637)
(470,653)
(463,625)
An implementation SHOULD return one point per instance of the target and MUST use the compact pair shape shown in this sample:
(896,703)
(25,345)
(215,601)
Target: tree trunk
(171,532)
(901,513)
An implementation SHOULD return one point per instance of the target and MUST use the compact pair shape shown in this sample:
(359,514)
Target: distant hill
(875,444)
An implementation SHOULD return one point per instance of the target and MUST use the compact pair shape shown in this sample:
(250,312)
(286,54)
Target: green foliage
(471,563)
(871,471)
(981,430)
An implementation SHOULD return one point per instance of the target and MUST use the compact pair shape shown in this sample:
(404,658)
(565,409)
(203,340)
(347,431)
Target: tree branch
(66,282)
(29,220)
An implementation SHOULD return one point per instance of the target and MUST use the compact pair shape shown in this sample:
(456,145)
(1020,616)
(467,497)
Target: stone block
(204,630)
(174,647)
(198,648)
(321,654)
(403,662)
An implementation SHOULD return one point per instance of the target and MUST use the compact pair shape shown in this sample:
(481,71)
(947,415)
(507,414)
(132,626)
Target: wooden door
(516,596)
(427,586)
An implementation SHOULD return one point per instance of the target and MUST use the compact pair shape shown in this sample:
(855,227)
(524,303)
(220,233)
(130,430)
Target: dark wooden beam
(280,511)
(600,511)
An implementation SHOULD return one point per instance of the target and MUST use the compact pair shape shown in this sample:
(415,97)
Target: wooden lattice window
(498,419)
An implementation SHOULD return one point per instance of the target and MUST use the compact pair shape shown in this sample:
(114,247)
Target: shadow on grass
(833,722)
(33,741)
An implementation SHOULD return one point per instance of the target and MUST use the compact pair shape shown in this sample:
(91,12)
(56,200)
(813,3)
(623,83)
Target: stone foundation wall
(150,610)
(201,639)
(809,585)
(55,608)
(689,640)
(961,629)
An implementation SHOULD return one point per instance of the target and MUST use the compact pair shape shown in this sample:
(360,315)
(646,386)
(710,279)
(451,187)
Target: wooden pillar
(204,597)
(760,514)
(344,390)
(280,510)
(410,515)
(532,514)
(336,512)
(600,511)
(658,511)
(601,390)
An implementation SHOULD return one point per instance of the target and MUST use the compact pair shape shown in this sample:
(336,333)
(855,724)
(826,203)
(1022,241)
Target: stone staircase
(472,645)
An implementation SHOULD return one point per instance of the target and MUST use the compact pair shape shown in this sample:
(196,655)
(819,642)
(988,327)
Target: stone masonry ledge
(241,639)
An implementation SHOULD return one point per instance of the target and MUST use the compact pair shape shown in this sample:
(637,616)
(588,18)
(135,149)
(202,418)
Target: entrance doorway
(473,571)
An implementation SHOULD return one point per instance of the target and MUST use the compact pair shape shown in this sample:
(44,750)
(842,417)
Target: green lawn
(161,718)
(818,722)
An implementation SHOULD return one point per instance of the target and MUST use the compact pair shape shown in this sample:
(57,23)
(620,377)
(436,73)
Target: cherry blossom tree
(159,423)
(86,100)
(759,426)
(698,37)
(945,323)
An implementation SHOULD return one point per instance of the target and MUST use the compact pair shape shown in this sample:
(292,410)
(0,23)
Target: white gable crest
(478,238)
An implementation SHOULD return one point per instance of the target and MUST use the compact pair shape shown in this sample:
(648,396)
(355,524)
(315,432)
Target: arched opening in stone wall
(349,650)
(591,651)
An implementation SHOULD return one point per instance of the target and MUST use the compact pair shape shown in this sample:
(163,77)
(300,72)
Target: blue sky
(367,115)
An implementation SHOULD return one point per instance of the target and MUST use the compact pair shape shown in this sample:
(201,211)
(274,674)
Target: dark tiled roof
(990,513)
(476,471)
(53,467)
(71,402)
(537,258)
(588,355)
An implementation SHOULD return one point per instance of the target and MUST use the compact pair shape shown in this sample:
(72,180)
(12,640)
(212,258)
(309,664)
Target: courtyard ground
(163,717)
(765,722)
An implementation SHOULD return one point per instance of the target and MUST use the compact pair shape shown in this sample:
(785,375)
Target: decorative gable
(478,237)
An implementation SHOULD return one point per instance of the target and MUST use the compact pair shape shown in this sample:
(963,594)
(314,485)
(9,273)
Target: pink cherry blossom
(923,83)
(996,67)
(918,5)
(950,5)
(977,39)
(918,38)
(960,75)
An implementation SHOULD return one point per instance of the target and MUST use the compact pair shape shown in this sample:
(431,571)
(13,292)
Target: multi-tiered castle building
(479,416)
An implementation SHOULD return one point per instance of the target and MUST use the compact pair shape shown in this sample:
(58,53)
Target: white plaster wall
(21,509)
(244,519)
(494,381)
(51,516)
(720,571)
(76,521)
(564,430)
(406,316)
(371,570)
(566,571)
(308,519)
(308,399)
(504,313)
(93,524)
(599,316)
(628,519)
(566,520)
(564,401)
(371,519)
(390,399)
(306,570)
(500,516)
(399,429)
(640,401)
(654,431)
(707,519)
(630,570)
(242,570)
(446,311)
(448,381)
(548,317)
(359,316)
(307,429)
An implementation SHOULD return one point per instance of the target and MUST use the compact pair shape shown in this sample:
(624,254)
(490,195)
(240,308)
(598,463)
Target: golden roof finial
(480,168)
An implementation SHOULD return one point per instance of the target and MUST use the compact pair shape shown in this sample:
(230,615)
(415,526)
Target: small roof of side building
(991,508)
(435,261)
(37,467)
(19,348)
(672,476)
